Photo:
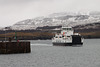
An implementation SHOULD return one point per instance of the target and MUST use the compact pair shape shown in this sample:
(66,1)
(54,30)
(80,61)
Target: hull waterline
(66,44)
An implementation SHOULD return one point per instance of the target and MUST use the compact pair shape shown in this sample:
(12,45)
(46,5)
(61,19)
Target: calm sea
(43,54)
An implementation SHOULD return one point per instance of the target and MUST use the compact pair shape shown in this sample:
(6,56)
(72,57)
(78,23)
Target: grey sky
(12,11)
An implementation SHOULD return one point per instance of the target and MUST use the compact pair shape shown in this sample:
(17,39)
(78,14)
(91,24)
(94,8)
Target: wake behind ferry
(67,37)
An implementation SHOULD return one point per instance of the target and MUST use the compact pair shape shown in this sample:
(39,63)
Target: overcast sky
(12,11)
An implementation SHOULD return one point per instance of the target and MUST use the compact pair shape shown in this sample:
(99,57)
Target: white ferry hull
(76,40)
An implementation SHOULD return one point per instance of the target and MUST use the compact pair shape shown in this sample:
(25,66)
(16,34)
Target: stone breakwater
(14,47)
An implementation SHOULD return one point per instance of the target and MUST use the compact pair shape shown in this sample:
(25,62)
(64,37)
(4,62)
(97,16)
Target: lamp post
(5,34)
(16,36)
(6,28)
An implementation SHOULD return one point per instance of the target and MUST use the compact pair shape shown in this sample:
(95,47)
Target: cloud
(12,11)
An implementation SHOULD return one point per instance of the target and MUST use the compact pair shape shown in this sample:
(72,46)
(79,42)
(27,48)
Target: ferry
(67,37)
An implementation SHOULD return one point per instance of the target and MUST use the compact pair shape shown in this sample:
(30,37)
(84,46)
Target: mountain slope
(57,19)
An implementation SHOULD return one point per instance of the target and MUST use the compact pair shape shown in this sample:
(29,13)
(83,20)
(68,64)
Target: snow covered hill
(56,19)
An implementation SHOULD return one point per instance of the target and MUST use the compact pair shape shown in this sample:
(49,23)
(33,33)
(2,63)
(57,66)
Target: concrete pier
(14,47)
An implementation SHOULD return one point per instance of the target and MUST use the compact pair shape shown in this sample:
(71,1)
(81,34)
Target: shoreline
(43,39)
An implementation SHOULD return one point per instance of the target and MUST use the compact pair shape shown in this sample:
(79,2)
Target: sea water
(44,54)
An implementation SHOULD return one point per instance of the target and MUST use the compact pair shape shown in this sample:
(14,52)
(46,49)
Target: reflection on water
(41,42)
(87,55)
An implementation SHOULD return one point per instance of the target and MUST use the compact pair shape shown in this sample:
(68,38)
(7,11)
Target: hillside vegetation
(43,35)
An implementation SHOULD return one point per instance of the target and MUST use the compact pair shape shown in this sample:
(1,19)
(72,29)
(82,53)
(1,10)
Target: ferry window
(69,29)
(62,36)
(64,28)
(59,36)
(56,37)
(68,36)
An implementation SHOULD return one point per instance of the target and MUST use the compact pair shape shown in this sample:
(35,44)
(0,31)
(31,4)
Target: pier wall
(14,47)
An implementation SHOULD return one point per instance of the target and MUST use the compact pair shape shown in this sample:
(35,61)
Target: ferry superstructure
(67,37)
